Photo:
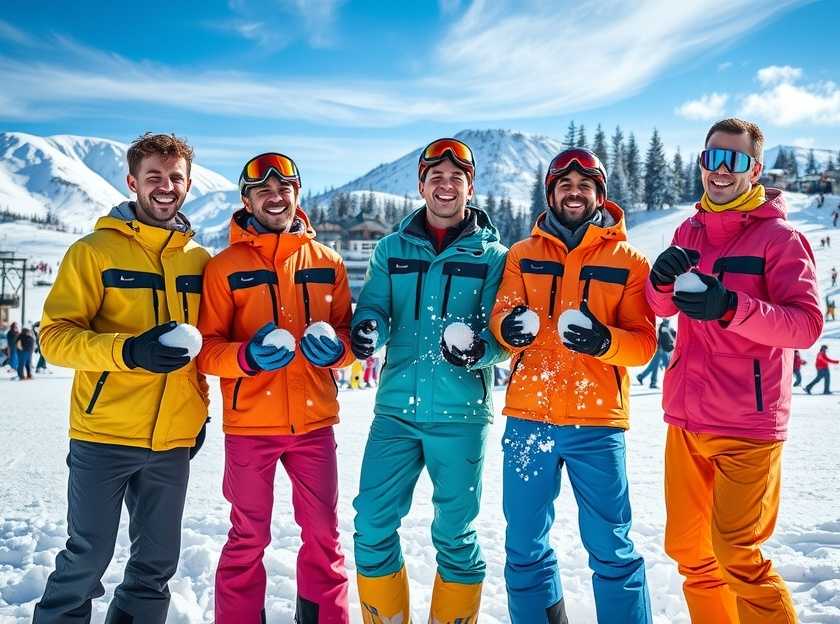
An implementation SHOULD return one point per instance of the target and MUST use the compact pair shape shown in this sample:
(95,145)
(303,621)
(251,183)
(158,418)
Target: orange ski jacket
(294,281)
(548,381)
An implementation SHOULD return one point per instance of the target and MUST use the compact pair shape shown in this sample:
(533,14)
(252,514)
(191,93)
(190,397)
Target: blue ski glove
(265,357)
(321,351)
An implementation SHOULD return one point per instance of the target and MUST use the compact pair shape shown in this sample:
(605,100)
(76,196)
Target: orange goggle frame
(257,170)
(452,148)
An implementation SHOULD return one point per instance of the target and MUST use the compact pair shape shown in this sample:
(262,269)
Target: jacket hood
(614,227)
(274,247)
(127,211)
(481,231)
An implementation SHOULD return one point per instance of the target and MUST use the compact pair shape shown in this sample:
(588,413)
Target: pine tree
(581,137)
(811,167)
(697,182)
(599,145)
(538,205)
(656,174)
(830,164)
(505,221)
(571,136)
(618,188)
(490,207)
(633,164)
(793,164)
(678,182)
(781,160)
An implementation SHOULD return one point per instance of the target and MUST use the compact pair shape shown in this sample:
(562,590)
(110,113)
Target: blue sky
(342,86)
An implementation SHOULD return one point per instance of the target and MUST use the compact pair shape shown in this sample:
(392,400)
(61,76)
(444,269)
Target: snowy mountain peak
(75,178)
(506,162)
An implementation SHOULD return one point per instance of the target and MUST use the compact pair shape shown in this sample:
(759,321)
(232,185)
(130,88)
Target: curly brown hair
(164,144)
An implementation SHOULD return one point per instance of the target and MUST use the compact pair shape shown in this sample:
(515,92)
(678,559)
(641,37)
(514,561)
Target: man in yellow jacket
(137,406)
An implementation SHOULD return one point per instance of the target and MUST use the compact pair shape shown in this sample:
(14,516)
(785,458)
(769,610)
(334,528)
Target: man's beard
(144,204)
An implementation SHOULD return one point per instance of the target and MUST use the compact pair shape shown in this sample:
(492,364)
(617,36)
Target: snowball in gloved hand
(278,339)
(183,336)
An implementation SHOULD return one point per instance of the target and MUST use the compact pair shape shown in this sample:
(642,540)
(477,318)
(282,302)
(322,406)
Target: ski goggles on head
(459,152)
(733,161)
(257,170)
(584,161)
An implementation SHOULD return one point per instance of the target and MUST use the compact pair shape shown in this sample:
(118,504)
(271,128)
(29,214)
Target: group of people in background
(573,305)
(18,348)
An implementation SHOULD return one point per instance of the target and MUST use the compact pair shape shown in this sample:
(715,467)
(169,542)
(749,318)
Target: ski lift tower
(12,285)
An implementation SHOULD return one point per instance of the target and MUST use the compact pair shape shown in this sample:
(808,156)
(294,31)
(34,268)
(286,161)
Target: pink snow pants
(250,463)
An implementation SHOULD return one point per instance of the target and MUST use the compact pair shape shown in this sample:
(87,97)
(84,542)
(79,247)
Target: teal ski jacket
(413,294)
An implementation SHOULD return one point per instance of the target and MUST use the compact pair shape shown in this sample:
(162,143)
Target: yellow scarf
(750,200)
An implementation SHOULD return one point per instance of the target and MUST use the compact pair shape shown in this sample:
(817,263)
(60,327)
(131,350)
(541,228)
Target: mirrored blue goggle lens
(734,162)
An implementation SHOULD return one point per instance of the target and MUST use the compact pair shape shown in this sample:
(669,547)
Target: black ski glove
(148,353)
(360,340)
(199,439)
(595,341)
(709,305)
(670,263)
(456,357)
(513,328)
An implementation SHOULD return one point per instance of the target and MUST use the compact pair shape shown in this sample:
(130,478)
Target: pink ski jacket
(734,378)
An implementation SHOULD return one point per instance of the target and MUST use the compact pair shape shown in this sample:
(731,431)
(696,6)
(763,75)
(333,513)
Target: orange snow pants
(722,499)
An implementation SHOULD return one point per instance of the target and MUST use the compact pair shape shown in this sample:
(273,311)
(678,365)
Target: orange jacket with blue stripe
(548,381)
(294,281)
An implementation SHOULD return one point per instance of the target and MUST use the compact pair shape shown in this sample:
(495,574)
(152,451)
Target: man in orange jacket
(568,398)
(278,404)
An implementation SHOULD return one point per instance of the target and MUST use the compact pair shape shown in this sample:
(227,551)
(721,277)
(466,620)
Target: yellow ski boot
(384,599)
(454,603)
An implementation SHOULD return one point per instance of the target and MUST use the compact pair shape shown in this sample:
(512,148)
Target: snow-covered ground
(805,547)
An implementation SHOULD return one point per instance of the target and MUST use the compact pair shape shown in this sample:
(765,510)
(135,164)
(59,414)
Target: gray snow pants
(153,486)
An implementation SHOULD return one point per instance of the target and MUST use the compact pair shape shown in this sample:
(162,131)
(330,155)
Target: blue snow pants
(534,455)
(396,452)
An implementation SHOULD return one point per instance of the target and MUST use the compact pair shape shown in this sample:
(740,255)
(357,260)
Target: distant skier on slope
(568,398)
(278,405)
(727,393)
(434,400)
(823,373)
(137,406)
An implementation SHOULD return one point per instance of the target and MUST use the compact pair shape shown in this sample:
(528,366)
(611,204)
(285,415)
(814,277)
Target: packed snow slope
(805,547)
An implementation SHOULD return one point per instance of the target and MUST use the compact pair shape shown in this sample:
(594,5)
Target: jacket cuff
(120,354)
(242,360)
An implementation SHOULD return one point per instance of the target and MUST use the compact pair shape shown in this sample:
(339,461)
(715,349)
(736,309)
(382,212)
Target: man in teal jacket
(434,403)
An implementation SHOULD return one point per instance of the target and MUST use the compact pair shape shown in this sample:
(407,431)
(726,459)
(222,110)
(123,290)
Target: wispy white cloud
(706,108)
(725,65)
(276,23)
(14,35)
(775,74)
(499,60)
(448,7)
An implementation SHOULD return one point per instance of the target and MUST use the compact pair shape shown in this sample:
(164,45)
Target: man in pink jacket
(727,391)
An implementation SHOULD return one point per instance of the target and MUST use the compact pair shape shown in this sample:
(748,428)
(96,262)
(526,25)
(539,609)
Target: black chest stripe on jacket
(260,277)
(124,278)
(608,275)
(744,265)
(543,267)
(312,276)
(403,266)
(463,269)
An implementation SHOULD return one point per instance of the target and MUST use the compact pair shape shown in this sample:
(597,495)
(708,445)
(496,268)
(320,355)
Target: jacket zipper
(446,289)
(483,387)
(186,307)
(418,294)
(96,392)
(553,295)
(759,398)
(236,392)
(306,303)
(155,305)
(516,365)
(618,385)
(274,309)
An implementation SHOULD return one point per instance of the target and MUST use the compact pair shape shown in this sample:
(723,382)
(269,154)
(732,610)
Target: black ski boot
(306,612)
(557,613)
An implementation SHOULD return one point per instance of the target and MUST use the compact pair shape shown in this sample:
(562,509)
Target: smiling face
(446,189)
(161,185)
(721,186)
(272,203)
(575,199)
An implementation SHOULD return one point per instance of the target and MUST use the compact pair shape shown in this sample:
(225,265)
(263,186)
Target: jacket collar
(477,230)
(595,234)
(274,247)
(123,219)
(722,226)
